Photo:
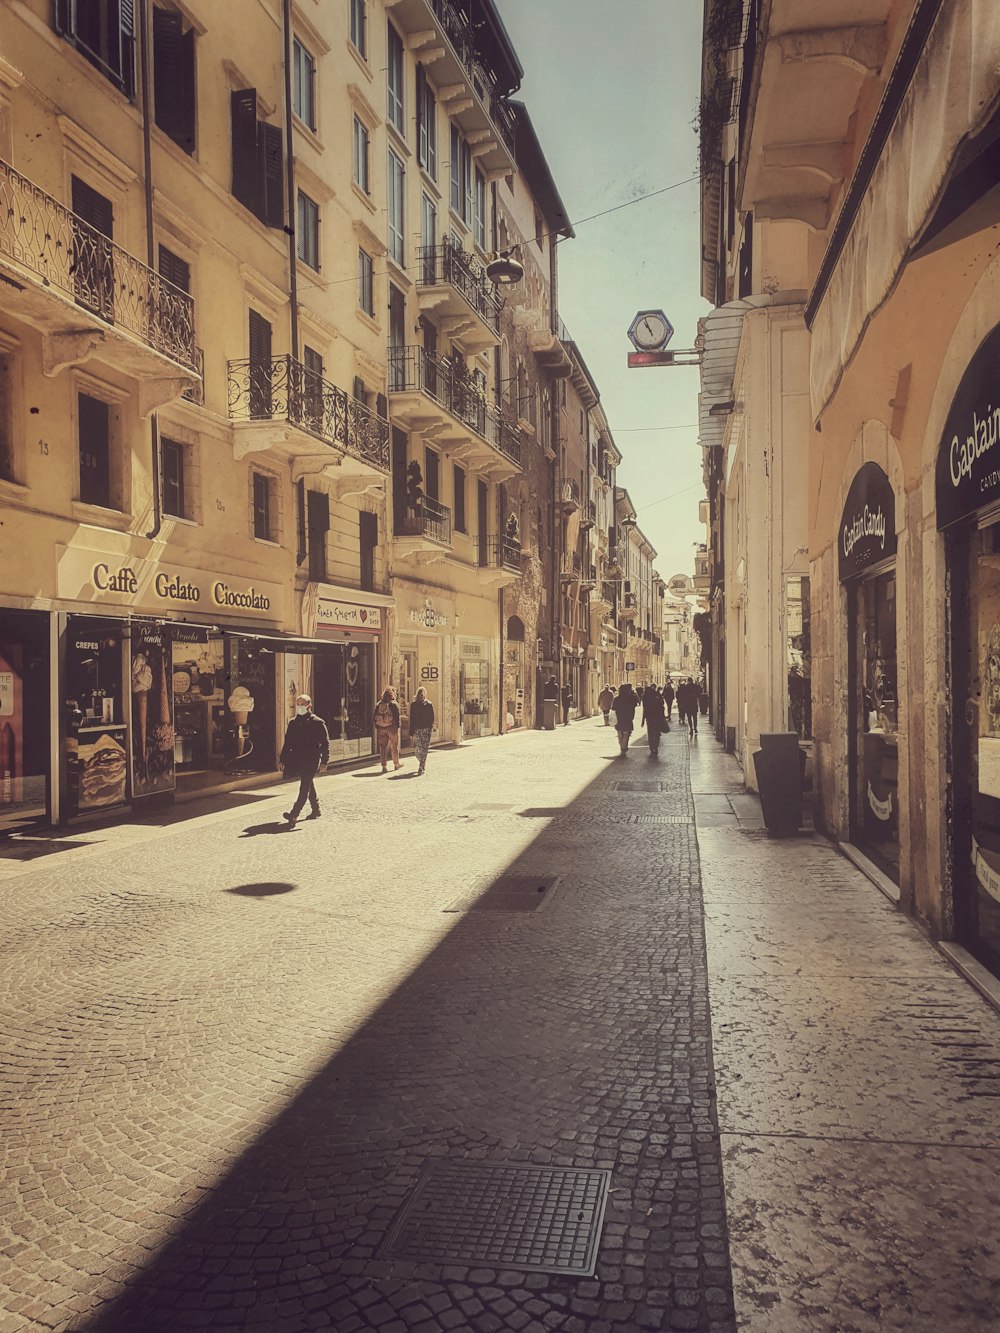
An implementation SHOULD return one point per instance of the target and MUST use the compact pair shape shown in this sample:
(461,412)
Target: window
(394,82)
(456,170)
(359,27)
(467,186)
(317,527)
(94,424)
(397,316)
(396,181)
(313,395)
(426,124)
(303,84)
(103,31)
(174,269)
(258,160)
(173,78)
(8,461)
(366,285)
(367,542)
(260,365)
(428,238)
(172,468)
(361,149)
(480,209)
(539,228)
(459,498)
(263,507)
(307,231)
(432,474)
(93,267)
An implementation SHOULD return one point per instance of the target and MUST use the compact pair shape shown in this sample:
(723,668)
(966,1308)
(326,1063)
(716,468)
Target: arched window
(515,630)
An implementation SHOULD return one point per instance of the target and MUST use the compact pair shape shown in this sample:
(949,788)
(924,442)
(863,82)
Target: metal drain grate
(638,785)
(661,819)
(509,893)
(538,1219)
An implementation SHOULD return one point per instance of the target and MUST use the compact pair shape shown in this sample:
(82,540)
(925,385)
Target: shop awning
(282,643)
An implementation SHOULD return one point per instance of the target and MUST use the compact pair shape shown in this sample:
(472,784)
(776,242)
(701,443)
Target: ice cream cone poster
(11,724)
(152,712)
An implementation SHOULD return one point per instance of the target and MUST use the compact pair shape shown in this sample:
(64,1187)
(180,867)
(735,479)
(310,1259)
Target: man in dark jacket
(306,749)
(668,699)
(624,708)
(566,694)
(653,718)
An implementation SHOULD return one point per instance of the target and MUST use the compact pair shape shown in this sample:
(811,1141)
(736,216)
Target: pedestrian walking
(566,694)
(604,701)
(305,750)
(668,699)
(653,718)
(550,699)
(690,691)
(386,721)
(421,726)
(623,707)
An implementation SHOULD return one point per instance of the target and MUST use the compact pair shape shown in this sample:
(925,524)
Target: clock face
(650,330)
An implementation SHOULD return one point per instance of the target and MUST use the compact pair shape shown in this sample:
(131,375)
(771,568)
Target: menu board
(97,733)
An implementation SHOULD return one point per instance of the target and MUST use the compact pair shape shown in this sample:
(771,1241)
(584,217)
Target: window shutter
(381,407)
(260,365)
(300,521)
(272,176)
(318,513)
(260,339)
(175,269)
(167,24)
(421,116)
(92,207)
(359,388)
(95,469)
(243,104)
(367,541)
(187,99)
(126,26)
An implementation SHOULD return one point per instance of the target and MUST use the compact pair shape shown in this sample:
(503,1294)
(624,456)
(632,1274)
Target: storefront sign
(88,576)
(428,618)
(347,615)
(868,527)
(968,464)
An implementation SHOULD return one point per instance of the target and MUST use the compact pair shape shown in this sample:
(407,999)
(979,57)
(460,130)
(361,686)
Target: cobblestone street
(229,1057)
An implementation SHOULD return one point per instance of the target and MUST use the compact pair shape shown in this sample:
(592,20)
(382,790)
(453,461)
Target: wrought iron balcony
(454,285)
(589,515)
(284,390)
(49,252)
(462,35)
(570,498)
(427,518)
(505,553)
(448,385)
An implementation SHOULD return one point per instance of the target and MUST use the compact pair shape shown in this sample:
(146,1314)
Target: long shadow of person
(274,826)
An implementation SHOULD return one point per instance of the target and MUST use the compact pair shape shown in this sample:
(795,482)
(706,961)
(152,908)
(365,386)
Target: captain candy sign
(968,463)
(867,533)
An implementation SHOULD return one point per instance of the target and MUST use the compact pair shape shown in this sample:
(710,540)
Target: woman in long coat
(421,726)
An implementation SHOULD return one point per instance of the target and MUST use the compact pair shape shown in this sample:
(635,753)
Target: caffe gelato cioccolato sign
(868,526)
(968,462)
(130,581)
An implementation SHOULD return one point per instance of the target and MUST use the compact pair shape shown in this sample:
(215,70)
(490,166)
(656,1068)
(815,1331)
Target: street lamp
(503,270)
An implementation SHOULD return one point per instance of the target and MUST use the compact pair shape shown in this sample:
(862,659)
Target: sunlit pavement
(230,1053)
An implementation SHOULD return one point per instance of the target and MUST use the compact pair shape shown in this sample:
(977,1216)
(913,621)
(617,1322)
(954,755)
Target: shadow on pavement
(563,1020)
(273,826)
(262,890)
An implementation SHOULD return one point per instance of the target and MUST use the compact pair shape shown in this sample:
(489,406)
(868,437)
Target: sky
(612,90)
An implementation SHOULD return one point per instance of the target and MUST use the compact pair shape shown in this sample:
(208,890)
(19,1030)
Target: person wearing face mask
(305,751)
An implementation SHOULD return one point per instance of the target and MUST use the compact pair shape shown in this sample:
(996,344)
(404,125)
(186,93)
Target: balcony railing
(427,518)
(449,384)
(505,553)
(462,35)
(571,494)
(608,592)
(283,389)
(63,252)
(449,264)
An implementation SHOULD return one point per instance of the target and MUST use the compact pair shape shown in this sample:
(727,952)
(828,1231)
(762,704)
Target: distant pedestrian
(690,693)
(305,750)
(604,701)
(668,699)
(421,726)
(386,721)
(623,707)
(653,718)
(566,694)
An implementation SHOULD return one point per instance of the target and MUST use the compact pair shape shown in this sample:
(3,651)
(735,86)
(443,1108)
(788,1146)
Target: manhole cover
(510,893)
(662,819)
(540,1219)
(638,785)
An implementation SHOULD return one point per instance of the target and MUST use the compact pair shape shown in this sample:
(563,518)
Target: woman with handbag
(386,721)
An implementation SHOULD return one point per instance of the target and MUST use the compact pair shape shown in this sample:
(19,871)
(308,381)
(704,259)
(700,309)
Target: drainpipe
(498,377)
(147,167)
(293,280)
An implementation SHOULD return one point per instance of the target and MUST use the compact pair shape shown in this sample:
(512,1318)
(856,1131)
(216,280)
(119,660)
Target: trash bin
(549,713)
(780,767)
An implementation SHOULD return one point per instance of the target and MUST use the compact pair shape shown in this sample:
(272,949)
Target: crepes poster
(11,724)
(152,711)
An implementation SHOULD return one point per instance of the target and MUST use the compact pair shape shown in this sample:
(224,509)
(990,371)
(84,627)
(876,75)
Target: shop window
(263,488)
(94,424)
(366,283)
(258,160)
(460,480)
(797,622)
(103,31)
(426,124)
(307,230)
(359,27)
(174,78)
(303,84)
(394,82)
(175,478)
(368,544)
